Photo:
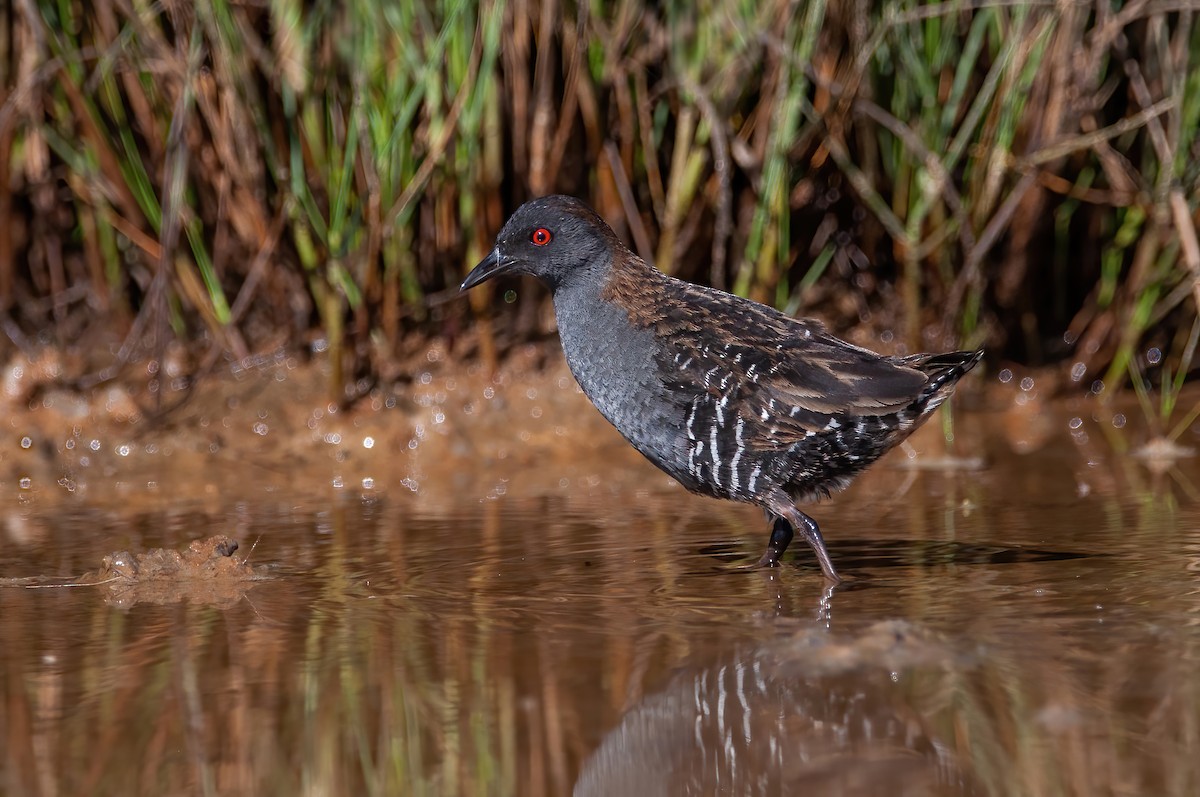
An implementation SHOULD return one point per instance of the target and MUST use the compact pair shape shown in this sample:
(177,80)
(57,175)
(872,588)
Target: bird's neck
(608,352)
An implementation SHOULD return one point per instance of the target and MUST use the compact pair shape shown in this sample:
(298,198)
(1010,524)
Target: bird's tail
(944,371)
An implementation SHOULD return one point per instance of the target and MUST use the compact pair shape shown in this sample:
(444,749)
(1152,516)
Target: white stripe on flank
(737,455)
(716,458)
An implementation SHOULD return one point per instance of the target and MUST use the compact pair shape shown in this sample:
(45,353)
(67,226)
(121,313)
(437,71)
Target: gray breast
(614,363)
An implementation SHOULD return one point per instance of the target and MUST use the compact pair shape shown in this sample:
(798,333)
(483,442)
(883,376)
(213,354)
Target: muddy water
(490,611)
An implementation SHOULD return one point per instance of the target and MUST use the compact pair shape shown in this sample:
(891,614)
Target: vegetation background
(245,176)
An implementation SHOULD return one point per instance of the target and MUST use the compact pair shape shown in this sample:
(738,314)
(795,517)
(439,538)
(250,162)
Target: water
(1030,627)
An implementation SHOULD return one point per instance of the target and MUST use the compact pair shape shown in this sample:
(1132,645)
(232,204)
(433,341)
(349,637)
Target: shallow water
(1028,627)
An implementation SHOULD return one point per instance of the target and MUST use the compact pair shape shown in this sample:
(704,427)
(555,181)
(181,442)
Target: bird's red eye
(540,237)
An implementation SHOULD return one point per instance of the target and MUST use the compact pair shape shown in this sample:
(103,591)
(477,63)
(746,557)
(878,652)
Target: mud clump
(208,572)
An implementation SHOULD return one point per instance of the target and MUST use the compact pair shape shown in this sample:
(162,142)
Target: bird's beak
(489,267)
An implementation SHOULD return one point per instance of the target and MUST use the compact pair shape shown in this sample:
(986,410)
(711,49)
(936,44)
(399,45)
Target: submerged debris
(208,572)
(1161,454)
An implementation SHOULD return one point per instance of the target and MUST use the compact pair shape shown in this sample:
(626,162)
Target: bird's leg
(781,535)
(812,535)
(788,517)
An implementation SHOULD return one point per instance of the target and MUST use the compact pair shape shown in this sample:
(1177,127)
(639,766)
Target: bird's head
(557,239)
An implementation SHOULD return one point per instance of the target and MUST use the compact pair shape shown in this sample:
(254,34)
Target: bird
(731,398)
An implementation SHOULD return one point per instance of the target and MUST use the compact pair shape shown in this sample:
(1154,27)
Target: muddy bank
(270,430)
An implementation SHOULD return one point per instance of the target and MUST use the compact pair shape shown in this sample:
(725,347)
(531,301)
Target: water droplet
(1069,338)
(338,483)
(439,417)
(333,438)
(1078,371)
(1076,422)
(426,377)
(94,445)
(368,442)
(1005,375)
(70,444)
(1154,356)
(536,412)
(1097,387)
(1118,421)
(260,429)
(26,442)
(123,449)
(531,393)
(1027,384)
(26,482)
(319,345)
(368,483)
(412,444)
(489,392)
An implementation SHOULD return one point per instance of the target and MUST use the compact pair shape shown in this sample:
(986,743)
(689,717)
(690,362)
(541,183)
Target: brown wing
(790,372)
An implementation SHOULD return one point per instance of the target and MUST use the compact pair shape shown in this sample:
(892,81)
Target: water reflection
(805,714)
